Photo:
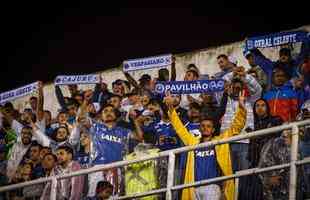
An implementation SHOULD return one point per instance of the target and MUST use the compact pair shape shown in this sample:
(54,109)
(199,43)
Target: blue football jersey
(165,135)
(193,128)
(83,158)
(109,144)
(205,164)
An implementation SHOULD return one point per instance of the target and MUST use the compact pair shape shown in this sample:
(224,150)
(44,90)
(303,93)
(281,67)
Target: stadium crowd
(100,126)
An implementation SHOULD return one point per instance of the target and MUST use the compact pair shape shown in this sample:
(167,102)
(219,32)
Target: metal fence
(294,162)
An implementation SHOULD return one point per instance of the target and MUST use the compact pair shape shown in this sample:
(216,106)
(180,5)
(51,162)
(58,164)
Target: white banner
(147,63)
(77,79)
(19,92)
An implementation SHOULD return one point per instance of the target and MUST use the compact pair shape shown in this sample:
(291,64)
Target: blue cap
(245,51)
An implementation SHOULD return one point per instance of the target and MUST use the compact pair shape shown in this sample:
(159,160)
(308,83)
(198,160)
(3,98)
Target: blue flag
(147,63)
(19,92)
(190,87)
(276,39)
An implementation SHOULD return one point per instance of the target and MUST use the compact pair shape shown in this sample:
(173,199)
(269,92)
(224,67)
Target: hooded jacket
(256,144)
(282,102)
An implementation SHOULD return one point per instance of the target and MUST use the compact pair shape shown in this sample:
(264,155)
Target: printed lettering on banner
(276,39)
(77,79)
(17,93)
(190,87)
(147,63)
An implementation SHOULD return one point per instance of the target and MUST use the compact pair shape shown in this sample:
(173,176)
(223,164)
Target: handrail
(175,151)
(218,179)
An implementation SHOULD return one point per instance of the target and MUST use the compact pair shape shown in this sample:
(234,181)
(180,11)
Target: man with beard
(240,81)
(25,135)
(19,150)
(70,188)
(208,162)
(110,143)
(226,65)
(49,161)
(35,160)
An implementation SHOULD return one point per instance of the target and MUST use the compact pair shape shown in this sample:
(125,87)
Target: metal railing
(171,165)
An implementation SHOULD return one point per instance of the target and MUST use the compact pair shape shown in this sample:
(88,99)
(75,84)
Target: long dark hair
(256,117)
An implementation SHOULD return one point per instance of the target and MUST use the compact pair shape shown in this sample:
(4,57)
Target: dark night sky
(42,40)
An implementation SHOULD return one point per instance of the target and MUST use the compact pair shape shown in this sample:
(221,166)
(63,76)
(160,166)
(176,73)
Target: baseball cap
(246,53)
(306,105)
(233,60)
(55,126)
(147,113)
(97,106)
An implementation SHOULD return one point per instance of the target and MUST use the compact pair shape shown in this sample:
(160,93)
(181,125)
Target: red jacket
(283,102)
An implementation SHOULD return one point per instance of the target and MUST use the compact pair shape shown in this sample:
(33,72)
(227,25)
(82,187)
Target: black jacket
(256,144)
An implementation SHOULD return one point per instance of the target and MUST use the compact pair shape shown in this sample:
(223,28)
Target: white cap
(306,105)
(147,113)
(233,59)
(97,106)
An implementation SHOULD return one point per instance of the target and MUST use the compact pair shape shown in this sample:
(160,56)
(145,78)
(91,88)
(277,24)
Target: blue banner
(276,39)
(147,63)
(19,92)
(190,87)
(77,79)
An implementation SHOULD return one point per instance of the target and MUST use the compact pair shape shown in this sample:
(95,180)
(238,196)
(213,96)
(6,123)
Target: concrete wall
(205,59)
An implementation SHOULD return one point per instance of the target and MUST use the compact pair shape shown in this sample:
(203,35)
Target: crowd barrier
(171,154)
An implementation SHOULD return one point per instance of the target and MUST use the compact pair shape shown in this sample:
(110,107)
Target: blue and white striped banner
(190,87)
(19,92)
(147,63)
(276,39)
(77,79)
